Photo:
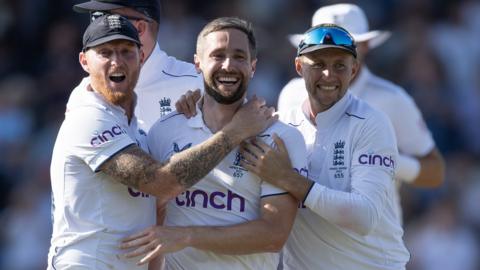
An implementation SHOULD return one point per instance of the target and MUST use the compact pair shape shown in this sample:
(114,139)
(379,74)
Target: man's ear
(196,61)
(141,27)
(254,67)
(355,67)
(298,66)
(82,58)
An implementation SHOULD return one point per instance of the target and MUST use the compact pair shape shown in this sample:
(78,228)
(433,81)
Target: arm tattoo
(131,166)
(193,164)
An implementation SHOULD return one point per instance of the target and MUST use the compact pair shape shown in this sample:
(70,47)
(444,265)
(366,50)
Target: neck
(308,110)
(128,106)
(216,115)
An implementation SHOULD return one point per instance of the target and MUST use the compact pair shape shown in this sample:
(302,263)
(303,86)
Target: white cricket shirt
(228,195)
(91,211)
(163,80)
(348,220)
(411,132)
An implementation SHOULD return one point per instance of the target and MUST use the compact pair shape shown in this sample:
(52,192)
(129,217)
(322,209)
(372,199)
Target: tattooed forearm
(136,169)
(131,167)
(193,164)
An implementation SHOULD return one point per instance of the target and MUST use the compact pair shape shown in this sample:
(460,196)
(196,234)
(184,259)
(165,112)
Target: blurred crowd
(433,53)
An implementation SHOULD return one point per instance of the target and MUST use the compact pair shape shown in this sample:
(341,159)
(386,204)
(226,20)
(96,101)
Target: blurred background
(434,53)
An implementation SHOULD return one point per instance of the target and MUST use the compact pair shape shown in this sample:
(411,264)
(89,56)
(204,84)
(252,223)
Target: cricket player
(102,178)
(348,218)
(231,219)
(419,162)
(163,79)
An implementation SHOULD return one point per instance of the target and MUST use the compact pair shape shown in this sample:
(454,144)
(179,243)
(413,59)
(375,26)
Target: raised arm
(135,168)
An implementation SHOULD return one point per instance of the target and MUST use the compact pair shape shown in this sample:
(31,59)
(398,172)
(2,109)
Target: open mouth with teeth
(227,80)
(117,77)
(328,88)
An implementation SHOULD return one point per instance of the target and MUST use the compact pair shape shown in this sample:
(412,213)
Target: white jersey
(411,132)
(228,195)
(91,211)
(348,220)
(163,80)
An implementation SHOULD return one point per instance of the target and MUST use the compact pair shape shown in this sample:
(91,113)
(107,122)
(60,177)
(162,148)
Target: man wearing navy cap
(163,79)
(102,178)
(347,219)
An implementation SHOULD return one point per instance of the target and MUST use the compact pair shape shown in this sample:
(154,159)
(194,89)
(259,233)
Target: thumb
(280,144)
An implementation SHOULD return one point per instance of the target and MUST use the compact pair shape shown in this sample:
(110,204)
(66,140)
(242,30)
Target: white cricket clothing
(349,221)
(413,137)
(91,211)
(228,195)
(163,80)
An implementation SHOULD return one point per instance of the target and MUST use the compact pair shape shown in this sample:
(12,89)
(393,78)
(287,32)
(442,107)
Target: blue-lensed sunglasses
(327,36)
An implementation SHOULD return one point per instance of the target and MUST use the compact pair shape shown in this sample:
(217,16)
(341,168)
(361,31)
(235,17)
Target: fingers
(142,250)
(186,104)
(192,98)
(279,143)
(136,236)
(150,256)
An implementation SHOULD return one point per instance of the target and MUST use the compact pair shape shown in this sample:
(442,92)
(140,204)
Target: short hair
(229,23)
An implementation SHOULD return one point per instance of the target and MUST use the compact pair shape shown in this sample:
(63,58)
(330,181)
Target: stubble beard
(212,90)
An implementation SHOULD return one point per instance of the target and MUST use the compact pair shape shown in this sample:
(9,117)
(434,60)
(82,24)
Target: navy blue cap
(107,28)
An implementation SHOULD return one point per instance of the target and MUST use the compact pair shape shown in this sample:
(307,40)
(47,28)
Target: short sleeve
(413,136)
(297,151)
(95,135)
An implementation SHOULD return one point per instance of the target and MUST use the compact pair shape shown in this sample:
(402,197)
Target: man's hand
(268,163)
(273,165)
(155,241)
(252,118)
(187,103)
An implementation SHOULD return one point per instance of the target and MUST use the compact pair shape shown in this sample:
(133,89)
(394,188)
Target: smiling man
(231,219)
(348,218)
(102,179)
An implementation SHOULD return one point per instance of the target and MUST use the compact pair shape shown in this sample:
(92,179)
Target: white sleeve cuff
(312,198)
(408,168)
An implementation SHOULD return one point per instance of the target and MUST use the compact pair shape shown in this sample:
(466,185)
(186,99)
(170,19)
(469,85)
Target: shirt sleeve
(297,151)
(95,135)
(413,136)
(372,170)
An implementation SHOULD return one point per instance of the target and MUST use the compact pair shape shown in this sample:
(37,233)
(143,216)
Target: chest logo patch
(165,106)
(338,160)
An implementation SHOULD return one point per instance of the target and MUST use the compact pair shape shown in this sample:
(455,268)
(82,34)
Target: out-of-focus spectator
(442,241)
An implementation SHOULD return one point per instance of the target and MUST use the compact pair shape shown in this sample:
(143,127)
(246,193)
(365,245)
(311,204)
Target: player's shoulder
(282,129)
(294,84)
(293,117)
(176,68)
(172,120)
(363,112)
(388,88)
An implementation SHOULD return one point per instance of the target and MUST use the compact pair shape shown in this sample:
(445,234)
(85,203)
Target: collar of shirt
(359,85)
(329,117)
(152,68)
(197,120)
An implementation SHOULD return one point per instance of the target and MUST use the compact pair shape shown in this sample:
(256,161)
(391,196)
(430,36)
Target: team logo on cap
(114,21)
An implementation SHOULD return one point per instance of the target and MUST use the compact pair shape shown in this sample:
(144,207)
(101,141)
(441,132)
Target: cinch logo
(376,160)
(135,193)
(223,201)
(107,135)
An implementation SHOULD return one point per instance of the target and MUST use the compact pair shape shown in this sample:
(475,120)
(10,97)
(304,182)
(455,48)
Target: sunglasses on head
(96,14)
(327,34)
